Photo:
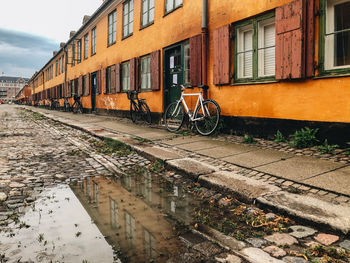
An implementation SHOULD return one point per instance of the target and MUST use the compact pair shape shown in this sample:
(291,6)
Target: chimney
(85,19)
(62,44)
(71,34)
(54,53)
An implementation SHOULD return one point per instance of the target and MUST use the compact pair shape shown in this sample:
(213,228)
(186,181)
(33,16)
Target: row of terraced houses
(271,65)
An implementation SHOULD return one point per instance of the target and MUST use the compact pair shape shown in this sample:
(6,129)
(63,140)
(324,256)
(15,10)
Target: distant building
(10,86)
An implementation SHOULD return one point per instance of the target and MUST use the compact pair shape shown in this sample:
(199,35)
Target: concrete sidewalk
(254,174)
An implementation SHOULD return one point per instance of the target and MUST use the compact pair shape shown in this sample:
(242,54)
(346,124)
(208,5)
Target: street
(67,196)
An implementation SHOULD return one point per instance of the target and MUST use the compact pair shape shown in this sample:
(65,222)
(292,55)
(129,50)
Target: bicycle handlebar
(203,87)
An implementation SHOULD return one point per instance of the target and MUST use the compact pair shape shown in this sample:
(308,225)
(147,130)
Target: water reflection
(137,214)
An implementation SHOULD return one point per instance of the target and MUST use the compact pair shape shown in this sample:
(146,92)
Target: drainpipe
(205,44)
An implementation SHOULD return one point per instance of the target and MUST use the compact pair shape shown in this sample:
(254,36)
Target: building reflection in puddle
(136,214)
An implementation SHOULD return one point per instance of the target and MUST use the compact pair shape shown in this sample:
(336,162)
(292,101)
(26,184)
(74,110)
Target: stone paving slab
(311,209)
(257,158)
(184,140)
(226,150)
(156,152)
(200,145)
(256,255)
(191,167)
(337,181)
(299,168)
(242,187)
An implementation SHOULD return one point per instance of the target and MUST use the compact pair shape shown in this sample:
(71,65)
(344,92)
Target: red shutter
(290,44)
(104,77)
(310,37)
(87,84)
(132,73)
(69,89)
(80,86)
(155,70)
(196,60)
(117,78)
(99,81)
(222,55)
(112,76)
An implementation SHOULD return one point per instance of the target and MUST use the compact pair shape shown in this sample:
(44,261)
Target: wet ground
(58,203)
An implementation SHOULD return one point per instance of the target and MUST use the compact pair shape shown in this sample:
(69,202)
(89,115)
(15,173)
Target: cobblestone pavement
(37,153)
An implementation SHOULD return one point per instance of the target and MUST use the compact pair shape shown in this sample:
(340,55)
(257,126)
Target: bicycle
(138,108)
(205,117)
(54,104)
(77,106)
(66,105)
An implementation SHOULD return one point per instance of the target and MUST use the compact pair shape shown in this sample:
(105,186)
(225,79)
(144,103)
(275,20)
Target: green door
(173,74)
(93,91)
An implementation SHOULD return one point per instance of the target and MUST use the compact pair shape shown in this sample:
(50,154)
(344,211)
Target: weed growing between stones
(109,146)
(327,148)
(249,139)
(279,137)
(304,138)
(326,254)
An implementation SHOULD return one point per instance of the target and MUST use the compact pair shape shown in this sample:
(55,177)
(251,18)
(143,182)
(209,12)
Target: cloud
(21,54)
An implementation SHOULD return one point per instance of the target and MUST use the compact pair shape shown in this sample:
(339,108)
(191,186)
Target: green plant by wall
(279,137)
(304,138)
(327,148)
(248,139)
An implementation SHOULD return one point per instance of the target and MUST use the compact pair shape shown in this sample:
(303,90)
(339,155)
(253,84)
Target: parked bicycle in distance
(66,105)
(139,109)
(205,117)
(77,107)
(54,104)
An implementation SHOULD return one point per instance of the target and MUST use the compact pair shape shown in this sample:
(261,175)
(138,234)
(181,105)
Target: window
(59,66)
(63,63)
(86,46)
(108,80)
(112,27)
(255,49)
(145,73)
(147,12)
(79,50)
(56,67)
(93,41)
(337,35)
(73,54)
(125,76)
(172,4)
(84,85)
(128,18)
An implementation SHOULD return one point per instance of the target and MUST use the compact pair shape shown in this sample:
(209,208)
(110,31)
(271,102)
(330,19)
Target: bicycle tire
(209,119)
(145,112)
(134,111)
(75,107)
(174,120)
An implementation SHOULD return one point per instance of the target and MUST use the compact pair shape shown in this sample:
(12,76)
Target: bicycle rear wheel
(174,116)
(145,112)
(208,117)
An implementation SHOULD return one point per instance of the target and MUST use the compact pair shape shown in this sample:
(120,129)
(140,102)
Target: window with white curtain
(337,35)
(255,49)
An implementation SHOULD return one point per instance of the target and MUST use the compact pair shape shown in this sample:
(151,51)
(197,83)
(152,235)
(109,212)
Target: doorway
(93,90)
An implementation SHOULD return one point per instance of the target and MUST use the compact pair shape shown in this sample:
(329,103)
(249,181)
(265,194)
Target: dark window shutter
(99,82)
(196,60)
(132,74)
(290,44)
(87,84)
(221,67)
(104,77)
(310,38)
(80,85)
(113,79)
(155,70)
(69,88)
(117,77)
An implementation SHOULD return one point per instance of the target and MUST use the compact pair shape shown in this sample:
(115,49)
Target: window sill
(111,44)
(93,55)
(146,90)
(173,10)
(127,36)
(145,26)
(332,74)
(255,82)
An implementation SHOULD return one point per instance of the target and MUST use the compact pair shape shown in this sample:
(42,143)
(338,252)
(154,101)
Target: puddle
(98,219)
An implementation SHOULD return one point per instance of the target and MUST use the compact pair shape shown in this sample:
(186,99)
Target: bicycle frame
(183,101)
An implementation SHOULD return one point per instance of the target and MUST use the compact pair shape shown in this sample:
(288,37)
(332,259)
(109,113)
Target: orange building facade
(277,64)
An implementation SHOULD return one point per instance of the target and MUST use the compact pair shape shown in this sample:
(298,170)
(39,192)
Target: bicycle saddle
(204,87)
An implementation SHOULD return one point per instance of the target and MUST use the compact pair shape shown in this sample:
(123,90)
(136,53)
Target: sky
(30,30)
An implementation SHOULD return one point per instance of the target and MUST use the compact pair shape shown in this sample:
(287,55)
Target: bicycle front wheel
(207,117)
(145,112)
(174,116)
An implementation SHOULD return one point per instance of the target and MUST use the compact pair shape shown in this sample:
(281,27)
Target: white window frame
(128,19)
(93,41)
(126,77)
(86,46)
(240,49)
(174,4)
(149,20)
(112,28)
(261,45)
(329,42)
(145,75)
